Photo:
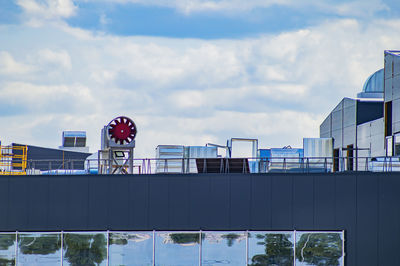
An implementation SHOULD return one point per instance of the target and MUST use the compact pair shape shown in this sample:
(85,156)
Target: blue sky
(187,71)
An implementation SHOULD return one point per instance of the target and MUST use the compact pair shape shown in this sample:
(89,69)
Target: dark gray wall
(50,159)
(366,205)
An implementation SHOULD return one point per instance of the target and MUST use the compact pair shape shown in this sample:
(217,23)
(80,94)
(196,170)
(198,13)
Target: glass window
(397,144)
(131,248)
(39,249)
(177,248)
(85,249)
(270,248)
(227,248)
(7,249)
(319,248)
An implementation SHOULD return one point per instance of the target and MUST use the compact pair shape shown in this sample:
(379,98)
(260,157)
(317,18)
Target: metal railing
(214,165)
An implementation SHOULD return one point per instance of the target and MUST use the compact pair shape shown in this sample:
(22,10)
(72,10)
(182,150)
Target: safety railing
(212,165)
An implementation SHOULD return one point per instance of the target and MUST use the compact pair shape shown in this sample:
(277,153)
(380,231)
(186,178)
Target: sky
(188,72)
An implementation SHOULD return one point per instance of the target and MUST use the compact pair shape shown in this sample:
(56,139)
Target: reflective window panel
(39,249)
(270,248)
(322,248)
(131,248)
(7,249)
(177,248)
(223,248)
(85,248)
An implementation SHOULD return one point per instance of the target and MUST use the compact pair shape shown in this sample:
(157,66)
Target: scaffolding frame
(13,160)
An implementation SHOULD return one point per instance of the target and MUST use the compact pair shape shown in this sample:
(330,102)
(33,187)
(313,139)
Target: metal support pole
(108,247)
(154,248)
(294,248)
(200,247)
(247,247)
(62,248)
(16,248)
(130,158)
(343,243)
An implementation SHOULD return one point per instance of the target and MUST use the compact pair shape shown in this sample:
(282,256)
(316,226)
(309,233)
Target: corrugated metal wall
(366,205)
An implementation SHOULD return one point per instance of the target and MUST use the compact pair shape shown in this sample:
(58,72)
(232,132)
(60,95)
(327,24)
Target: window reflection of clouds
(131,248)
(177,248)
(7,249)
(173,248)
(39,249)
(224,248)
(319,248)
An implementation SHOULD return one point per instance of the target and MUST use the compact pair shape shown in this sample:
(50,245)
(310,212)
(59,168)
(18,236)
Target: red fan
(122,129)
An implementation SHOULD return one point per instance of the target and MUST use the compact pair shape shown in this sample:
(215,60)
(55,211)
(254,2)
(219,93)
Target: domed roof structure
(373,86)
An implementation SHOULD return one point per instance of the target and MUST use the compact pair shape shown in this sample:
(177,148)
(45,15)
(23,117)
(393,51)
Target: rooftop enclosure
(364,205)
(373,86)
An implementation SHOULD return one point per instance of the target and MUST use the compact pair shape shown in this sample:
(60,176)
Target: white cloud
(9,66)
(38,11)
(185,91)
(55,58)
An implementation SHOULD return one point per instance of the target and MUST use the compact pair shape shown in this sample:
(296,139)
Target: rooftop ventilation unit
(74,141)
(117,144)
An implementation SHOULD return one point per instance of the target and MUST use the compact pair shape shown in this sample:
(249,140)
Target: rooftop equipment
(13,160)
(182,159)
(318,153)
(117,145)
(74,141)
(281,159)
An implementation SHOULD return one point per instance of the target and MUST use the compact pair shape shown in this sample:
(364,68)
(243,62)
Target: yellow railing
(13,160)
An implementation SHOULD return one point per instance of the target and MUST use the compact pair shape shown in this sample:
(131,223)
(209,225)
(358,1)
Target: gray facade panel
(377,145)
(349,116)
(337,136)
(388,253)
(336,120)
(261,202)
(396,111)
(282,202)
(117,204)
(179,209)
(349,136)
(324,191)
(396,87)
(377,127)
(240,214)
(367,199)
(346,208)
(303,201)
(98,189)
(348,102)
(371,136)
(78,202)
(325,128)
(4,199)
(396,65)
(18,211)
(396,127)
(388,65)
(139,202)
(388,89)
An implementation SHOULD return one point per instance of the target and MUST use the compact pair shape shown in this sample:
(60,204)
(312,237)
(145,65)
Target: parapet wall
(365,205)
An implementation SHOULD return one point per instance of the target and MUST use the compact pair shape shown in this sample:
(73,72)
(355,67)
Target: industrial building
(326,203)
(368,127)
